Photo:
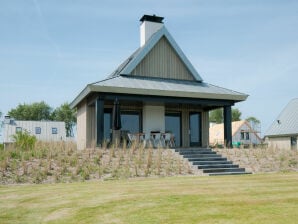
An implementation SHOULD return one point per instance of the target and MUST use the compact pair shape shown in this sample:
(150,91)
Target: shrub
(24,140)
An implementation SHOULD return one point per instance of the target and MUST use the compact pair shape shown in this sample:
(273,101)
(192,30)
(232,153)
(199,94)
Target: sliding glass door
(195,128)
(173,125)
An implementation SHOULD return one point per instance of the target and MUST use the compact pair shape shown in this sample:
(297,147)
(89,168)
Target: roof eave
(81,96)
(168,93)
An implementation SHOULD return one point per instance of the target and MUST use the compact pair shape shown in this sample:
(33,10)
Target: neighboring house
(242,134)
(42,130)
(283,132)
(158,90)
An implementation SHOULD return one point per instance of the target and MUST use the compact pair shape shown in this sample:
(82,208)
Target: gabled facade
(242,134)
(42,130)
(158,90)
(283,132)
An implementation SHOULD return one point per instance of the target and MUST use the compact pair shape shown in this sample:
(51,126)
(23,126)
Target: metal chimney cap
(153,18)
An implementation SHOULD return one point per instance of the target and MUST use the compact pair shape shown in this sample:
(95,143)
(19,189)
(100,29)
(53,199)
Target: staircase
(210,162)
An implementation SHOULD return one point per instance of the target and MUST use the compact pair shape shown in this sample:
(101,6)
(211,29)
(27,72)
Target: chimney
(149,25)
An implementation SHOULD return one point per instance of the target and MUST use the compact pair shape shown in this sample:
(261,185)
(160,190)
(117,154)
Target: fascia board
(138,91)
(81,96)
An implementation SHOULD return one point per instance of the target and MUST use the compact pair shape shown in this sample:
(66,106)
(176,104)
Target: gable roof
(216,132)
(287,121)
(127,67)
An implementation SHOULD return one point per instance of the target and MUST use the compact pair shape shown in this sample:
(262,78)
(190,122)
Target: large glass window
(107,124)
(195,128)
(131,121)
(173,125)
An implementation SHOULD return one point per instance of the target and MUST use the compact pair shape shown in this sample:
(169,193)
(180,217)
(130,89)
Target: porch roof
(123,84)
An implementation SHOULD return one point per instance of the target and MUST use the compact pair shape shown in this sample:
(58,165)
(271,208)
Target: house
(283,132)
(242,134)
(42,130)
(157,89)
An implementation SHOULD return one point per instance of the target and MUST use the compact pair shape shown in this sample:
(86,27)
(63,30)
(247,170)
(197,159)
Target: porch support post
(99,120)
(228,126)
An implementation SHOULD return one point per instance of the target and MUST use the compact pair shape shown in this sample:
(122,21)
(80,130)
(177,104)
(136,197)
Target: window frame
(54,132)
(37,130)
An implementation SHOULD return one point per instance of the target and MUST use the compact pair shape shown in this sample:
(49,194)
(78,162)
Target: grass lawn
(262,198)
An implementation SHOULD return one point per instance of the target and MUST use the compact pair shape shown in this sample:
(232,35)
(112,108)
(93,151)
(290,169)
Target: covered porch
(187,119)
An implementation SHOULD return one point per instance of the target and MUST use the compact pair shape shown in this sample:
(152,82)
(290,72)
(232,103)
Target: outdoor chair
(168,140)
(156,139)
(131,138)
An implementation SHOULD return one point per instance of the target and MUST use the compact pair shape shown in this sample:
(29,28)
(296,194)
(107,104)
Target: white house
(283,132)
(42,130)
(158,90)
(242,134)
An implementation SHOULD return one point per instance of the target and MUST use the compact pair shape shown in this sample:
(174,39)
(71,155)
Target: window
(173,125)
(247,135)
(293,142)
(131,121)
(107,124)
(18,129)
(242,135)
(37,130)
(54,131)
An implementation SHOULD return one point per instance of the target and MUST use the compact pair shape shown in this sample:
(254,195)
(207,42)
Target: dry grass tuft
(260,160)
(61,162)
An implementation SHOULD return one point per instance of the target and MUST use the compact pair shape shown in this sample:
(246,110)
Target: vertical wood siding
(205,129)
(163,62)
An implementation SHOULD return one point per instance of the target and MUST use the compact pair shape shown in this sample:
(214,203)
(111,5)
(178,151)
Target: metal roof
(161,87)
(287,121)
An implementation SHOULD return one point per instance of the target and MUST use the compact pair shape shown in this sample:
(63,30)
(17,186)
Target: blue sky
(50,49)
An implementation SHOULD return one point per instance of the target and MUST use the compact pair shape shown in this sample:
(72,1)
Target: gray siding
(163,62)
(30,126)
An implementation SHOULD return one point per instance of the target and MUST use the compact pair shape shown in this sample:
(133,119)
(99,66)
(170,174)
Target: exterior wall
(29,126)
(91,127)
(148,29)
(205,129)
(82,125)
(253,138)
(185,127)
(279,142)
(153,118)
(163,62)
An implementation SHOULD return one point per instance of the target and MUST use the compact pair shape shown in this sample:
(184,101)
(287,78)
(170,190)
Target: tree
(253,120)
(34,112)
(66,114)
(216,115)
(236,114)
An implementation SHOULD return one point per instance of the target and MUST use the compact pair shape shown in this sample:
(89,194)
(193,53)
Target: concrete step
(220,165)
(201,155)
(212,162)
(207,159)
(183,151)
(229,173)
(198,152)
(223,170)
